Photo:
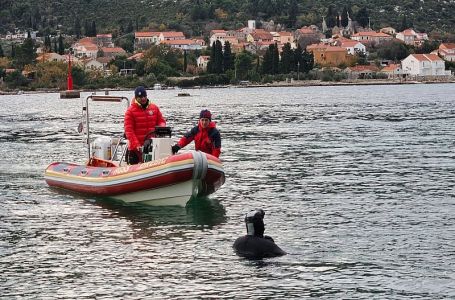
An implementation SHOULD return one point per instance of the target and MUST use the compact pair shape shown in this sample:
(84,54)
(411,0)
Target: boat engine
(101,147)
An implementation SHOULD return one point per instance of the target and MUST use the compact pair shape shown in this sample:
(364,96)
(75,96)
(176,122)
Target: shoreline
(294,83)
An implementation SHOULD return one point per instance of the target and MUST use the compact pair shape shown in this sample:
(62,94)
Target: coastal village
(346,50)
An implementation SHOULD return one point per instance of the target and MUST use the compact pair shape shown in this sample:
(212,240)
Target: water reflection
(200,213)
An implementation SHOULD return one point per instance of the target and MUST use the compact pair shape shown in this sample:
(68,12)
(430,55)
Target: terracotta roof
(360,68)
(113,49)
(146,34)
(390,68)
(426,57)
(136,56)
(108,35)
(371,33)
(349,43)
(447,46)
(172,34)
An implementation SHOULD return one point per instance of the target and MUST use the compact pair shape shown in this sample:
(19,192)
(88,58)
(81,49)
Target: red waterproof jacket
(207,140)
(140,121)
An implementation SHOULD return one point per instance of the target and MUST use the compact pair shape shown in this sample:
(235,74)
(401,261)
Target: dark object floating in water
(183,94)
(256,245)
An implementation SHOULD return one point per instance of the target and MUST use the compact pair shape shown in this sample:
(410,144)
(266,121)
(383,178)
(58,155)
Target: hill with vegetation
(198,17)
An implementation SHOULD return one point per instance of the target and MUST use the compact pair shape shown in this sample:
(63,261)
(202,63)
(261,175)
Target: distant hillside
(196,17)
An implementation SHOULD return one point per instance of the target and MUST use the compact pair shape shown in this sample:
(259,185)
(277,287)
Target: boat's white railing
(86,111)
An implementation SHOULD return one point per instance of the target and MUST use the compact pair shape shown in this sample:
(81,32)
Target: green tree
(363,17)
(344,17)
(61,46)
(55,45)
(228,58)
(2,54)
(93,29)
(15,79)
(47,43)
(392,50)
(215,65)
(26,53)
(267,62)
(87,28)
(287,59)
(427,47)
(243,64)
(293,12)
(185,61)
(307,61)
(77,27)
(129,27)
(298,58)
(330,18)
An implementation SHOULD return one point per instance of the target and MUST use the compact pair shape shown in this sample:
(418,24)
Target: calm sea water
(358,185)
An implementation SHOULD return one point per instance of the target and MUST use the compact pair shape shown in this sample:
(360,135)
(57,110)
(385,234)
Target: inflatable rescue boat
(162,179)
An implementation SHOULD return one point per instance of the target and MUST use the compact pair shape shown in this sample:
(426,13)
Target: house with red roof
(447,51)
(112,52)
(424,65)
(352,46)
(202,62)
(371,37)
(185,44)
(144,39)
(330,56)
(259,35)
(361,71)
(171,36)
(411,37)
(393,71)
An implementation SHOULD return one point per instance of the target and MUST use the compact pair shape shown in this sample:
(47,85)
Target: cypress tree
(55,46)
(93,31)
(185,61)
(298,53)
(344,17)
(77,27)
(287,58)
(276,59)
(27,52)
(2,54)
(267,62)
(362,17)
(47,43)
(218,58)
(330,18)
(61,46)
(87,28)
(228,61)
(307,61)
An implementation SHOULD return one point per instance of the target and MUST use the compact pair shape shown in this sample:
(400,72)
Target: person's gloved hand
(175,149)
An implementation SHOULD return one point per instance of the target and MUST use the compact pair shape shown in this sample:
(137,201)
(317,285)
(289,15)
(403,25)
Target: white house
(410,37)
(144,39)
(393,71)
(353,47)
(182,44)
(202,61)
(424,65)
(447,51)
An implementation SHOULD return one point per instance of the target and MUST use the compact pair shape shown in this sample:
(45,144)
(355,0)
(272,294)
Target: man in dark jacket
(205,135)
(141,118)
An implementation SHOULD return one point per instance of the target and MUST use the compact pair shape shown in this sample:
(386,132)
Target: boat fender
(256,245)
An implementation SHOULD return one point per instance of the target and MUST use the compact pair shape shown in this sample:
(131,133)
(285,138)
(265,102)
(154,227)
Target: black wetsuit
(255,247)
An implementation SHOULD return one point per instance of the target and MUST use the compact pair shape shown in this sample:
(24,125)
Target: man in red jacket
(205,135)
(141,118)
